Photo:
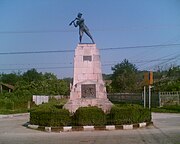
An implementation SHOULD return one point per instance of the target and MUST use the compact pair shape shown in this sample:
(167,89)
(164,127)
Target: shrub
(40,116)
(2,104)
(89,116)
(128,114)
(144,115)
(60,117)
(6,104)
(119,116)
(47,115)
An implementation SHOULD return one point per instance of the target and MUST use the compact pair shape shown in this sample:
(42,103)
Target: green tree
(11,78)
(32,75)
(124,77)
(174,72)
(49,76)
(169,80)
(64,87)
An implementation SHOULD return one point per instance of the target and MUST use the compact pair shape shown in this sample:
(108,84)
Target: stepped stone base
(88,87)
(73,105)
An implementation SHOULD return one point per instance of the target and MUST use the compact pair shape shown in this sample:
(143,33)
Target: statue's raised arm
(79,21)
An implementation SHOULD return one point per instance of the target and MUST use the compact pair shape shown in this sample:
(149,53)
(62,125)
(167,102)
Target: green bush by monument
(51,115)
(128,114)
(48,115)
(89,116)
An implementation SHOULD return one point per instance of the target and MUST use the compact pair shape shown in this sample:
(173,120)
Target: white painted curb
(33,126)
(47,129)
(142,124)
(68,128)
(110,127)
(127,127)
(91,128)
(88,128)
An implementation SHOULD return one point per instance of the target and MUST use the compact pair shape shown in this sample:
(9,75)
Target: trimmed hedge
(128,114)
(89,116)
(50,116)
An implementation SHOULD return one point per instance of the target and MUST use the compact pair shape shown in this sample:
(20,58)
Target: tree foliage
(41,84)
(11,78)
(124,77)
(30,83)
(169,80)
(32,75)
(37,83)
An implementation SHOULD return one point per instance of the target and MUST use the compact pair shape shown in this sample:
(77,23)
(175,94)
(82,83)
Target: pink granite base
(87,71)
(73,105)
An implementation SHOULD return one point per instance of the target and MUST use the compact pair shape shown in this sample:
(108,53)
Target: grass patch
(167,109)
(7,111)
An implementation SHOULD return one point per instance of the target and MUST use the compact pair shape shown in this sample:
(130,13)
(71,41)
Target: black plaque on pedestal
(88,91)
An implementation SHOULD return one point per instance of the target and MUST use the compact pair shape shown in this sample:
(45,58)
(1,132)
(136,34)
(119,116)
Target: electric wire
(103,49)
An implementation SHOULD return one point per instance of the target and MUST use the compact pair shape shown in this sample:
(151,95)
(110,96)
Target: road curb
(91,128)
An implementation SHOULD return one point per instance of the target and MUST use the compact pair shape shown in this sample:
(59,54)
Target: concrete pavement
(166,130)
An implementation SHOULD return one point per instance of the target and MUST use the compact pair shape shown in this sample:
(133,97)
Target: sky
(36,34)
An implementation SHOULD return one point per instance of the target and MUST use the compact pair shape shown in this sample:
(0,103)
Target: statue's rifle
(73,21)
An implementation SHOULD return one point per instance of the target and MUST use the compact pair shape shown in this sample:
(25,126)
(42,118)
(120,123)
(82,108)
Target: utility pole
(144,96)
(149,96)
(148,81)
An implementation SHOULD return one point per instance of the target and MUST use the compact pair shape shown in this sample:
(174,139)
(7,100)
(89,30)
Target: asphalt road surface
(166,130)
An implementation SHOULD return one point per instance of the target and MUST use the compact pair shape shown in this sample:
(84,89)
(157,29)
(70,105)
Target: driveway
(166,130)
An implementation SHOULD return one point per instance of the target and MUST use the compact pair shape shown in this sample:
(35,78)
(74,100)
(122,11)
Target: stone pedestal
(88,87)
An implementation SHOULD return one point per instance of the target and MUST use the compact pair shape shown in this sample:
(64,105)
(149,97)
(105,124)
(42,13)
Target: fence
(169,98)
(39,99)
(157,99)
(133,98)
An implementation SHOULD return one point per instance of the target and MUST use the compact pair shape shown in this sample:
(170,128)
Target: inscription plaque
(88,91)
(87,58)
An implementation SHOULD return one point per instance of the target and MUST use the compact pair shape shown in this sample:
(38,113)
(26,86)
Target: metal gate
(169,98)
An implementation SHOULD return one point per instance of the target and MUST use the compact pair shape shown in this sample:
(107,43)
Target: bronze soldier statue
(79,21)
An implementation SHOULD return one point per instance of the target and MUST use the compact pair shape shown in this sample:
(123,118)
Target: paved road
(166,130)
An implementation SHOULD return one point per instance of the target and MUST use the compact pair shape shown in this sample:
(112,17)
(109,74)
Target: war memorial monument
(88,88)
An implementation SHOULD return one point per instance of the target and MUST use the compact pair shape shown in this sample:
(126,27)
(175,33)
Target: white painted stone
(88,128)
(48,129)
(33,126)
(127,127)
(110,127)
(142,124)
(67,128)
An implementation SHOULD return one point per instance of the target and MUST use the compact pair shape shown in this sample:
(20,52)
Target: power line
(145,46)
(11,69)
(33,31)
(99,29)
(103,49)
(165,61)
(35,52)
(103,65)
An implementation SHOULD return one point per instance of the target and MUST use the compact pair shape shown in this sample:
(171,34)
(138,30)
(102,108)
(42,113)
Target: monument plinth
(88,87)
